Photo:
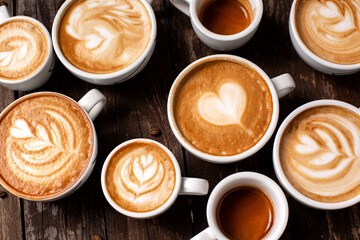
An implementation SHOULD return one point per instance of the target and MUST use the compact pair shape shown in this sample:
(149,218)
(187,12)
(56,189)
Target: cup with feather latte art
(316,154)
(48,144)
(326,34)
(104,42)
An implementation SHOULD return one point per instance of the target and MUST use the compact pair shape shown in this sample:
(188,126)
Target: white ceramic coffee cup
(214,40)
(183,185)
(92,104)
(310,58)
(108,78)
(40,76)
(279,87)
(277,165)
(266,184)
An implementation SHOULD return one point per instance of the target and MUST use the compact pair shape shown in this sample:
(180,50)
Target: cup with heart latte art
(141,178)
(104,41)
(224,108)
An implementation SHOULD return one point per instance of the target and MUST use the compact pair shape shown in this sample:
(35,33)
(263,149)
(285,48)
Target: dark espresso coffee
(245,212)
(226,17)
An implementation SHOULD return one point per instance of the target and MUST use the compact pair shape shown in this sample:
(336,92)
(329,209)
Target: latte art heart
(140,176)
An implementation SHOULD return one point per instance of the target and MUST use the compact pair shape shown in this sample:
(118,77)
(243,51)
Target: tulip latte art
(140,176)
(46,143)
(330,29)
(104,36)
(23,49)
(222,107)
(320,153)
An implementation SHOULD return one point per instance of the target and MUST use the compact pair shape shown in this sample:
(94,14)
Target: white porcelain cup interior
(183,185)
(266,184)
(279,87)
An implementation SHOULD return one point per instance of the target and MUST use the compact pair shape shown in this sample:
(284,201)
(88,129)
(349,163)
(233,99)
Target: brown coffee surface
(320,153)
(23,49)
(140,176)
(222,107)
(245,213)
(330,29)
(46,143)
(226,17)
(104,36)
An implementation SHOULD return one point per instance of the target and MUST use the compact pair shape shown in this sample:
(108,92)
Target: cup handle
(194,186)
(283,84)
(4,14)
(182,5)
(93,102)
(206,234)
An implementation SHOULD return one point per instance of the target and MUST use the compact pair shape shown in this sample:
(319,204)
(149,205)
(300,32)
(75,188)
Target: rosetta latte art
(330,29)
(103,36)
(320,154)
(23,49)
(45,144)
(140,177)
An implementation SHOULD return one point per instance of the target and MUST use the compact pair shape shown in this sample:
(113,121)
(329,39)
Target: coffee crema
(104,36)
(330,29)
(140,176)
(222,107)
(46,143)
(23,49)
(226,17)
(320,153)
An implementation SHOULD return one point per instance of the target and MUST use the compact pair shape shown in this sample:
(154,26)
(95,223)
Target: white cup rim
(281,212)
(50,49)
(309,53)
(253,25)
(277,165)
(85,173)
(152,213)
(233,158)
(107,76)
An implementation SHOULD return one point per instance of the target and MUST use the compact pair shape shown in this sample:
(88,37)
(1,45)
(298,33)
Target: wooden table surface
(135,106)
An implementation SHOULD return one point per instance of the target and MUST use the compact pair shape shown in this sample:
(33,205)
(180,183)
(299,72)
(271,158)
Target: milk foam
(112,33)
(141,179)
(331,29)
(322,155)
(46,144)
(23,49)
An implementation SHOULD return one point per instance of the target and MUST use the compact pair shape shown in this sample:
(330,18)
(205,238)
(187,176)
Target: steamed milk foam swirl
(46,144)
(23,49)
(104,36)
(140,177)
(330,29)
(320,154)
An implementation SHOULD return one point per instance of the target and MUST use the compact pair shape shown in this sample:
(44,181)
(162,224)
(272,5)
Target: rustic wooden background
(139,104)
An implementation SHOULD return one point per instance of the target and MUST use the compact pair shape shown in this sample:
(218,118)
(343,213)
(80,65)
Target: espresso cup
(326,45)
(248,180)
(48,144)
(141,178)
(316,154)
(224,108)
(26,53)
(91,46)
(217,41)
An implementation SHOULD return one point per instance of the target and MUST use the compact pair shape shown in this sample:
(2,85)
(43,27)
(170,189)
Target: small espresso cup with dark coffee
(223,24)
(326,34)
(26,53)
(316,154)
(245,205)
(224,108)
(141,178)
(104,42)
(48,144)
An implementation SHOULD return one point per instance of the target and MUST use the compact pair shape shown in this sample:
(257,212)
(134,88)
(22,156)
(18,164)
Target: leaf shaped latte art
(323,156)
